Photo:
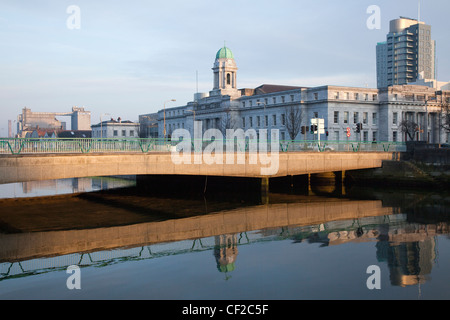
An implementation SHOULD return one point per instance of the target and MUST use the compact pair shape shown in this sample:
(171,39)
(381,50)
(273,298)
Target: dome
(224,53)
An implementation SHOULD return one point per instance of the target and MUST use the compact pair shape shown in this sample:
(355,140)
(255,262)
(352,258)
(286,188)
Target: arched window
(228,78)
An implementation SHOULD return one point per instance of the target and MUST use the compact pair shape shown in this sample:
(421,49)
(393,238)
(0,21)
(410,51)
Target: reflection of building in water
(105,183)
(409,263)
(71,185)
(82,184)
(409,249)
(225,251)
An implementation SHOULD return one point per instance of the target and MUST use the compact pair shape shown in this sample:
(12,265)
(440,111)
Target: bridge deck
(34,167)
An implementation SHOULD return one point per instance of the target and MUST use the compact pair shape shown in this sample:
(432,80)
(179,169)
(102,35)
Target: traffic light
(303,129)
(359,127)
(313,128)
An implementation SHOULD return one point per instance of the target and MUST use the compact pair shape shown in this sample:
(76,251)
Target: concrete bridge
(35,167)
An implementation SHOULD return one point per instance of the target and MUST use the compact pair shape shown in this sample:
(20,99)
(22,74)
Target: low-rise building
(148,125)
(115,129)
(29,121)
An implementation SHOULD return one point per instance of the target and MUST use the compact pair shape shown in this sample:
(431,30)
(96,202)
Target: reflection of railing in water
(109,257)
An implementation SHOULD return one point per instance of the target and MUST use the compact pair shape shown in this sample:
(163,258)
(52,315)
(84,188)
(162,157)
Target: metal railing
(17,146)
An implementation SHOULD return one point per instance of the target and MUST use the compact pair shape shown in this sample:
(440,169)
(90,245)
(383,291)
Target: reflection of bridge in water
(330,223)
(30,245)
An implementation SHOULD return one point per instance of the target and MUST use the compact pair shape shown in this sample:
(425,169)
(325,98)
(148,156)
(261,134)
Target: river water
(359,243)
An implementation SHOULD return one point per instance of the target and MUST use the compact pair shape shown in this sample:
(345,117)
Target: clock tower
(225,74)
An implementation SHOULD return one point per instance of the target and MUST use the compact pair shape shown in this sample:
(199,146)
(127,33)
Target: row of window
(172,126)
(116,133)
(174,113)
(356,117)
(356,96)
(365,136)
(124,133)
(337,95)
(266,101)
(335,135)
(364,119)
(263,121)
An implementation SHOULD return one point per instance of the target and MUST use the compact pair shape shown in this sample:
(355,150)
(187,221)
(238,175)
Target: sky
(126,58)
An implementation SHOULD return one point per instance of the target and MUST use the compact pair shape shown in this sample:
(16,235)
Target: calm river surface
(128,245)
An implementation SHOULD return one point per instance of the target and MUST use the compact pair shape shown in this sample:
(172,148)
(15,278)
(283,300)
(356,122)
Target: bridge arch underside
(22,168)
(240,188)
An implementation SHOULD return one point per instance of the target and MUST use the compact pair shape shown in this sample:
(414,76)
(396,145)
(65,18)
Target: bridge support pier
(265,190)
(332,183)
(339,182)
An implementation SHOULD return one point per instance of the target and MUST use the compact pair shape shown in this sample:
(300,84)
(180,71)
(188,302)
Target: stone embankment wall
(422,165)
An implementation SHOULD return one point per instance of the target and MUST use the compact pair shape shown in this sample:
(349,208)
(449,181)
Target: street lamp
(193,111)
(165,116)
(101,124)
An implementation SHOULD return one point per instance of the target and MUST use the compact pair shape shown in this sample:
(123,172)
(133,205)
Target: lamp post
(193,111)
(101,124)
(165,115)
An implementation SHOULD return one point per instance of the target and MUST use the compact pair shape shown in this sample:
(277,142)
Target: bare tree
(409,127)
(294,117)
(227,122)
(445,124)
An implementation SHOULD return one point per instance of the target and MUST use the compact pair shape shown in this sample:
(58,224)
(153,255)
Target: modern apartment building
(407,53)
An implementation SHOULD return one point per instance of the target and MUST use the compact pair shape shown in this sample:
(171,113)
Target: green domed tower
(225,73)
(224,53)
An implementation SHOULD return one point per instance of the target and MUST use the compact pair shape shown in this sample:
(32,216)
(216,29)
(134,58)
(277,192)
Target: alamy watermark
(74,20)
(74,280)
(192,151)
(374,280)
(374,20)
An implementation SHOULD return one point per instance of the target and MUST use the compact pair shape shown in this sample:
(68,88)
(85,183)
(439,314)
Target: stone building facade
(379,111)
(116,129)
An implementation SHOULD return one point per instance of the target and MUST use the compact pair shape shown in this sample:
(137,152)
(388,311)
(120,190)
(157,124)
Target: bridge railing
(145,145)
